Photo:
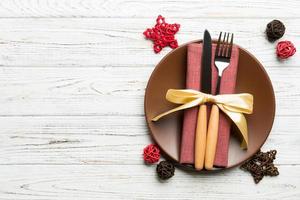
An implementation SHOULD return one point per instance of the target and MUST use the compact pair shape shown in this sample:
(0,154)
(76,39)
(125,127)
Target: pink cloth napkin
(193,81)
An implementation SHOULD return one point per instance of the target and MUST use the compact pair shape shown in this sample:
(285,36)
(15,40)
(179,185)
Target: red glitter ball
(162,34)
(151,154)
(285,49)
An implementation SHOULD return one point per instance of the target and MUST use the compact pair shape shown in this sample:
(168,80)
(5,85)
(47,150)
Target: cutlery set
(207,130)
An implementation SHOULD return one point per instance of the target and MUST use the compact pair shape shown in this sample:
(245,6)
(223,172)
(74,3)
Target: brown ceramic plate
(170,73)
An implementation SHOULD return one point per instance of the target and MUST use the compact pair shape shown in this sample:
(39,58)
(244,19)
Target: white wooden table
(72,81)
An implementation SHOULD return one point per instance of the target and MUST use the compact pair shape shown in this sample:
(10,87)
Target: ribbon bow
(233,105)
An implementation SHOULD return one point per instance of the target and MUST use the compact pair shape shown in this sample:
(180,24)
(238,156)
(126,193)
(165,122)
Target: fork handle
(212,137)
(200,140)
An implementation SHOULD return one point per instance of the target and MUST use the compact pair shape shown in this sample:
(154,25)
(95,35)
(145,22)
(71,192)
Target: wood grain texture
(105,140)
(98,91)
(147,8)
(72,81)
(139,182)
(110,42)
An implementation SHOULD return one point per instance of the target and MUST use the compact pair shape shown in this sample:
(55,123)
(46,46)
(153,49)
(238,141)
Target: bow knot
(233,105)
(208,99)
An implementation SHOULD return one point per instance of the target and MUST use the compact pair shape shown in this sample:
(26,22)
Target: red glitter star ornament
(162,34)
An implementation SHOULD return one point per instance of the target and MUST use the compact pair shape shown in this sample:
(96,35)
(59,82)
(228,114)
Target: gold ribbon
(233,105)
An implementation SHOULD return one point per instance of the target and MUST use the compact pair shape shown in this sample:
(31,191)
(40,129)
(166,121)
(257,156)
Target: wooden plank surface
(98,91)
(104,140)
(139,182)
(149,8)
(66,64)
(114,42)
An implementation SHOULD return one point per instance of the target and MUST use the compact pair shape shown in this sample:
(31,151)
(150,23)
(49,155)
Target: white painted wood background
(72,81)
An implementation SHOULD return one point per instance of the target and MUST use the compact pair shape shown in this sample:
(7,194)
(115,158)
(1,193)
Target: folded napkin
(193,81)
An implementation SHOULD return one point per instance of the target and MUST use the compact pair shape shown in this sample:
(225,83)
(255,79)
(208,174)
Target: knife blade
(206,64)
(201,129)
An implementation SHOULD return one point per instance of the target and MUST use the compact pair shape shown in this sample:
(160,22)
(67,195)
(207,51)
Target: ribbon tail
(241,122)
(182,107)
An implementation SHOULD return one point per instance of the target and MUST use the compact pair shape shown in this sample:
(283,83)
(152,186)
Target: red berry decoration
(162,34)
(285,49)
(151,154)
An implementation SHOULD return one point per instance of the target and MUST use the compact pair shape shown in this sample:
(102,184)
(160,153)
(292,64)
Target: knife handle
(200,140)
(212,137)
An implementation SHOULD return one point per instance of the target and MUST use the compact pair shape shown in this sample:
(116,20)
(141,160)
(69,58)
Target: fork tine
(218,45)
(223,48)
(227,46)
(230,46)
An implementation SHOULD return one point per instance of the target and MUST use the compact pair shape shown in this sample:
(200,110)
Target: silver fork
(222,55)
(222,60)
